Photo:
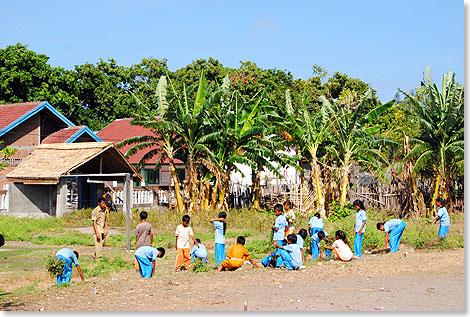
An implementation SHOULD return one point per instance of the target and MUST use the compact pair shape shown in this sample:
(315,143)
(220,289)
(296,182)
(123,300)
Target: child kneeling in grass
(341,247)
(198,251)
(236,256)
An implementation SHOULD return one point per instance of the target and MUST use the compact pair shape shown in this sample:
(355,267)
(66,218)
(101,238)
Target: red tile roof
(62,135)
(120,130)
(13,111)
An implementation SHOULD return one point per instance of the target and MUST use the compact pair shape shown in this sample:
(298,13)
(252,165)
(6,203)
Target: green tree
(354,142)
(440,143)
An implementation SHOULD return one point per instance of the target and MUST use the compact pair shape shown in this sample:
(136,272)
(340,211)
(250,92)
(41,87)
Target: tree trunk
(318,186)
(437,183)
(215,193)
(256,189)
(176,184)
(207,192)
(344,185)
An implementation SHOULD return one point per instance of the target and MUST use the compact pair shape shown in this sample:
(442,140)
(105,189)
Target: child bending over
(198,251)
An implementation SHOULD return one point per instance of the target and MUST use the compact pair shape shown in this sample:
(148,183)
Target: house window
(181,174)
(153,176)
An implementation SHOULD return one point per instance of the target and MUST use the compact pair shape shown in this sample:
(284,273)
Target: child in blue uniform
(393,232)
(290,254)
(279,228)
(198,251)
(443,217)
(315,225)
(146,257)
(316,239)
(300,241)
(359,227)
(220,228)
(69,257)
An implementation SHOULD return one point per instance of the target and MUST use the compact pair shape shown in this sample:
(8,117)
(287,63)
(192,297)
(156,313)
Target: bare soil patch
(424,280)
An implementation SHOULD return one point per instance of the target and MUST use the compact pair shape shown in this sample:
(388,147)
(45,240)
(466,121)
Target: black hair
(162,250)
(100,199)
(380,224)
(441,200)
(317,214)
(76,254)
(278,207)
(186,218)
(223,214)
(292,238)
(198,240)
(143,215)
(289,203)
(241,240)
(359,203)
(341,235)
(106,190)
(321,235)
(2,240)
(303,233)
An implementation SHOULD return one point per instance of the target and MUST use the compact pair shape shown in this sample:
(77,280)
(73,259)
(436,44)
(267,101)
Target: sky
(387,44)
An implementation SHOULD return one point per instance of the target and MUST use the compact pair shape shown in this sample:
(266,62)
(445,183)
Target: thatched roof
(49,162)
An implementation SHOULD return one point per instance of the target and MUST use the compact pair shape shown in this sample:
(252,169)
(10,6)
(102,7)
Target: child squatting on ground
(146,257)
(69,257)
(290,254)
(341,247)
(443,217)
(183,233)
(359,227)
(198,251)
(220,228)
(393,231)
(236,256)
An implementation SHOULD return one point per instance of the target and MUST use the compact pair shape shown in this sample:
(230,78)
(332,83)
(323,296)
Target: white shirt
(183,234)
(344,251)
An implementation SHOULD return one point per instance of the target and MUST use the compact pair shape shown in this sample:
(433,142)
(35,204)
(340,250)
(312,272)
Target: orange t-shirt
(238,251)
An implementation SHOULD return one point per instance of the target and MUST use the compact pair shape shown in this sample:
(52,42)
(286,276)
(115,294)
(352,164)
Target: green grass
(253,225)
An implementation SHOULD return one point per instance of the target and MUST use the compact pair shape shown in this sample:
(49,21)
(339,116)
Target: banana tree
(163,142)
(308,129)
(355,138)
(440,143)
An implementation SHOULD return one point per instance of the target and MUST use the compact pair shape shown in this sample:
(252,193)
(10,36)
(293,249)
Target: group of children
(289,246)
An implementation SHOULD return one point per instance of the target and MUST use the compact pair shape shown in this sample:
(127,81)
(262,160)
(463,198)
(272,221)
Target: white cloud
(266,23)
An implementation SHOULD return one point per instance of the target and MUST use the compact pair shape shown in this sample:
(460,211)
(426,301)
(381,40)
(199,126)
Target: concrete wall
(32,200)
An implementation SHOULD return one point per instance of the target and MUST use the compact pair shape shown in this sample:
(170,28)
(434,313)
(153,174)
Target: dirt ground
(422,280)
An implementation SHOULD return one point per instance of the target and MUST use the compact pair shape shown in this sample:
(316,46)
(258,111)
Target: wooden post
(127,208)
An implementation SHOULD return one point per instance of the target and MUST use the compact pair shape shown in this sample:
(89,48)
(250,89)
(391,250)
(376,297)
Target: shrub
(337,211)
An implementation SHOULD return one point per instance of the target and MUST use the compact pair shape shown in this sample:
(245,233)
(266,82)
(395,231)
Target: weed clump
(54,267)
(198,266)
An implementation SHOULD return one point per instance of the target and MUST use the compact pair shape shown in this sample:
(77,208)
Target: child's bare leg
(220,268)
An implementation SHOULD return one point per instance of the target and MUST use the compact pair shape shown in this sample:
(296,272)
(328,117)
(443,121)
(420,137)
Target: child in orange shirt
(236,257)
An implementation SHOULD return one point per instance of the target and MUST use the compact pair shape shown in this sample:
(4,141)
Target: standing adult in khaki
(100,225)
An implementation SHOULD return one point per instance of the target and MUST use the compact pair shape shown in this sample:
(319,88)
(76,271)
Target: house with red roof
(120,130)
(24,126)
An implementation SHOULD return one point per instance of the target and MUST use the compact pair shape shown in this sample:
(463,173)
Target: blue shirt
(300,241)
(280,224)
(443,216)
(316,222)
(68,254)
(200,252)
(360,217)
(391,224)
(315,236)
(219,232)
(295,253)
(147,252)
